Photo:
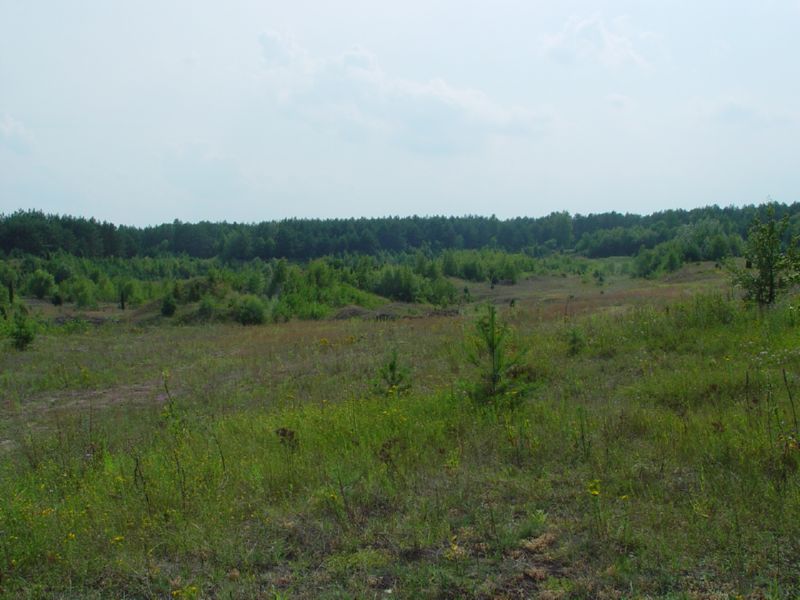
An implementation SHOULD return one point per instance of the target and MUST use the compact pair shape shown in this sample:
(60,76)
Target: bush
(250,310)
(208,308)
(281,312)
(82,291)
(303,309)
(41,283)
(22,332)
(168,306)
(128,292)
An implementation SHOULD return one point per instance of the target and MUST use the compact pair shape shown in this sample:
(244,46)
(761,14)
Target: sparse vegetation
(659,459)
(640,438)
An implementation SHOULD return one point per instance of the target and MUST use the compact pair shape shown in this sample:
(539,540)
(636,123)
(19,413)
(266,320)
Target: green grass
(656,458)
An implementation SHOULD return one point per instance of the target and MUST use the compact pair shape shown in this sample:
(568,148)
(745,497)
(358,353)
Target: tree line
(703,233)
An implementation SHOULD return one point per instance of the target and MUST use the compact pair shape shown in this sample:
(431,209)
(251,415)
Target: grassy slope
(654,454)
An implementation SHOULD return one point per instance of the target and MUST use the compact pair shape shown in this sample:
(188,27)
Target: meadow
(640,440)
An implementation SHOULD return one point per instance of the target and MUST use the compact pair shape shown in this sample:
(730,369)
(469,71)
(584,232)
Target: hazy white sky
(143,112)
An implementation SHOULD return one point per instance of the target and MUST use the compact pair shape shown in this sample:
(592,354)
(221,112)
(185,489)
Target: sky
(144,112)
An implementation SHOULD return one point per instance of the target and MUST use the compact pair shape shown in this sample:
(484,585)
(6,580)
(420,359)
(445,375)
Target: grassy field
(645,445)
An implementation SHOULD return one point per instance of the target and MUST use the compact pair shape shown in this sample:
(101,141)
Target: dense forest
(702,233)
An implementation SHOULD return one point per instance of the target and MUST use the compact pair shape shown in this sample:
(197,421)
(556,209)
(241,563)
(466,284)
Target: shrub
(83,292)
(22,332)
(41,283)
(208,308)
(441,292)
(168,306)
(191,290)
(309,310)
(250,310)
(128,292)
(281,312)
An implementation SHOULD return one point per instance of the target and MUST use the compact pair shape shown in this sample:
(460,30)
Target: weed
(288,437)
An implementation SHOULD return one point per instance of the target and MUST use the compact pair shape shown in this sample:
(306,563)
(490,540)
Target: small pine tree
(393,378)
(490,352)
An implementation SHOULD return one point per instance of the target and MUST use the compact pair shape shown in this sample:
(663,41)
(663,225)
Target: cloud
(14,135)
(738,113)
(352,96)
(611,44)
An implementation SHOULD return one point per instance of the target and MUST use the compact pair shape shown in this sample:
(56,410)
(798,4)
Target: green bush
(22,332)
(41,283)
(82,291)
(281,312)
(208,308)
(250,310)
(128,292)
(312,311)
(168,306)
